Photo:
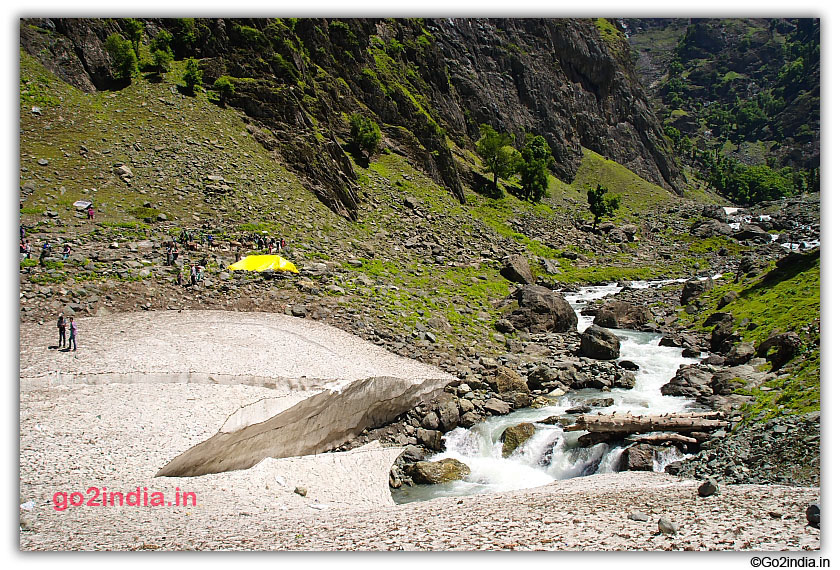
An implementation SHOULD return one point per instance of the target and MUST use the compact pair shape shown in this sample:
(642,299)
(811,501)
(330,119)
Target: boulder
(622,315)
(599,343)
(714,212)
(693,289)
(727,298)
(749,232)
(515,268)
(517,399)
(469,419)
(542,310)
(637,457)
(749,266)
(412,454)
(624,379)
(689,381)
(430,438)
(666,526)
(514,436)
(507,380)
(497,407)
(543,377)
(629,365)
(741,353)
(708,488)
(812,514)
(710,228)
(434,472)
(448,412)
(780,348)
(504,326)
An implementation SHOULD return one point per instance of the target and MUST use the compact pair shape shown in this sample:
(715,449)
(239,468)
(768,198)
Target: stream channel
(552,454)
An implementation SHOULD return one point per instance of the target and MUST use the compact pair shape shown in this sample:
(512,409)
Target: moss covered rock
(434,472)
(514,436)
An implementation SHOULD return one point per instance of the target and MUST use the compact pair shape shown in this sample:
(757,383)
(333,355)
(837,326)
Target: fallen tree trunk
(660,438)
(628,423)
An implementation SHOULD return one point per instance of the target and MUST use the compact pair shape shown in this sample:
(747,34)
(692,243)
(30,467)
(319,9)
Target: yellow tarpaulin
(263,263)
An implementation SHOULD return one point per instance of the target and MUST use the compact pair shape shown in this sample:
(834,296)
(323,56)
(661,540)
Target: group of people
(272,244)
(46,248)
(63,325)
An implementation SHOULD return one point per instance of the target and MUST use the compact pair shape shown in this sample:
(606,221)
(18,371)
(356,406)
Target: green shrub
(162,60)
(123,58)
(192,75)
(364,133)
(224,86)
(601,204)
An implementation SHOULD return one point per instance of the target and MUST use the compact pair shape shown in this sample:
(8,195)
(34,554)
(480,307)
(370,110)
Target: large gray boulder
(693,288)
(599,343)
(710,228)
(516,269)
(542,310)
(689,381)
(622,315)
(637,457)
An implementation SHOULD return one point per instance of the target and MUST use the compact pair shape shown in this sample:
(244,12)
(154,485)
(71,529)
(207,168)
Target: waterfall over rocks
(550,453)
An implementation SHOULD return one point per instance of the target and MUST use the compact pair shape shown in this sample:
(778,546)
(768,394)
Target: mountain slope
(428,83)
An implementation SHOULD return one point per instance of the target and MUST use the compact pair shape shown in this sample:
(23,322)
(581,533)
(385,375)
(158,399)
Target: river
(553,454)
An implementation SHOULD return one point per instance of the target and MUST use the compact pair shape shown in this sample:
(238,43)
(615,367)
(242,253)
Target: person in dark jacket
(62,331)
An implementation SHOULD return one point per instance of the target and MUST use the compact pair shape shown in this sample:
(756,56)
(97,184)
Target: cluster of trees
(124,52)
(771,96)
(502,159)
(531,163)
(748,185)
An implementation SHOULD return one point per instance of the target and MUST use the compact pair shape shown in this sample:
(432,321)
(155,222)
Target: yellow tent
(263,263)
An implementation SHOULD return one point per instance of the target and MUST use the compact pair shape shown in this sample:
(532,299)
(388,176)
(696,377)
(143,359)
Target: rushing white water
(552,453)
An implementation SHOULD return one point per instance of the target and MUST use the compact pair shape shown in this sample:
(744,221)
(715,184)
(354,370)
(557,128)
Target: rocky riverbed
(530,355)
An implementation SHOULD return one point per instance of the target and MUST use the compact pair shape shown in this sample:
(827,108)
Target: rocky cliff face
(429,83)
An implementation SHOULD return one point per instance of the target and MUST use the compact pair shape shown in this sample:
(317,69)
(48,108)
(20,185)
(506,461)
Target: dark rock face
(516,269)
(622,315)
(599,343)
(542,310)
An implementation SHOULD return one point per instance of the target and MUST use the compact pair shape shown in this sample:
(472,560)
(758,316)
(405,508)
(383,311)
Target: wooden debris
(627,423)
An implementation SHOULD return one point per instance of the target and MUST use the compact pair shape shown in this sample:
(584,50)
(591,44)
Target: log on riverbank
(618,424)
